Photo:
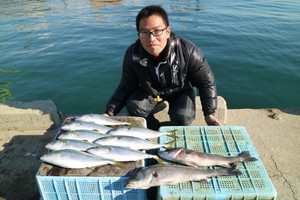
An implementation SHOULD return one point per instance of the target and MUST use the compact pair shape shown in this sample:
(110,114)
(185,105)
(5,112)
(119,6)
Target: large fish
(197,159)
(73,126)
(120,154)
(84,135)
(140,132)
(130,142)
(156,175)
(101,119)
(70,144)
(74,159)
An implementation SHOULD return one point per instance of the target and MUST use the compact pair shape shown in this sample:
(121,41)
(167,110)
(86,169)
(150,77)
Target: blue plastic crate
(253,184)
(82,186)
(87,188)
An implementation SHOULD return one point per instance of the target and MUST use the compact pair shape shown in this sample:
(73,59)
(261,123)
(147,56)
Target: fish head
(140,180)
(106,140)
(171,154)
(84,117)
(68,135)
(48,157)
(66,127)
(57,144)
(71,125)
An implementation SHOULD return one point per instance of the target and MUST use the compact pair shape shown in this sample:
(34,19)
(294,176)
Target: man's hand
(105,114)
(212,121)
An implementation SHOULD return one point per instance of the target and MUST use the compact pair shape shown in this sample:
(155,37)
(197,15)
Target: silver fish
(84,135)
(140,132)
(130,142)
(73,126)
(197,159)
(156,175)
(74,159)
(69,144)
(120,154)
(101,119)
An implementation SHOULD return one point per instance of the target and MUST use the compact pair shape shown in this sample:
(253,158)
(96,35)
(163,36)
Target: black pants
(181,107)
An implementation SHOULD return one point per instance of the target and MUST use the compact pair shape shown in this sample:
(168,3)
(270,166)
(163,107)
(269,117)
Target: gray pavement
(274,132)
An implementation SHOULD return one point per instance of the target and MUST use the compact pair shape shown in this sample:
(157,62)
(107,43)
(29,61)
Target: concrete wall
(35,115)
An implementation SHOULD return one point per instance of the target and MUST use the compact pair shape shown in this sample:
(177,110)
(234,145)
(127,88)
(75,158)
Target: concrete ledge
(35,115)
(221,112)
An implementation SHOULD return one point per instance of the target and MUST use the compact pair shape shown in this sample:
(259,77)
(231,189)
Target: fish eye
(133,176)
(155,175)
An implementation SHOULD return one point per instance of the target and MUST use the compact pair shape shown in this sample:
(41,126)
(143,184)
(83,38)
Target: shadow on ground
(20,161)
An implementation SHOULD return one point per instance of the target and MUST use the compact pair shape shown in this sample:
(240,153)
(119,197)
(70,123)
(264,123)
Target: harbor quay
(26,127)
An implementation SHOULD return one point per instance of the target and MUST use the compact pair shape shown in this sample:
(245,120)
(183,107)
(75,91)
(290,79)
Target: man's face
(154,44)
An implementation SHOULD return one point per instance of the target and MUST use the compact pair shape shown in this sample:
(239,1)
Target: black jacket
(182,65)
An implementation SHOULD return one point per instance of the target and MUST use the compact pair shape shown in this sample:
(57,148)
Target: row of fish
(87,140)
(107,139)
(133,131)
(64,148)
(173,174)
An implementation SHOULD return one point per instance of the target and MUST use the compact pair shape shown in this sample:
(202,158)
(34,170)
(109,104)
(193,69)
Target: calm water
(71,51)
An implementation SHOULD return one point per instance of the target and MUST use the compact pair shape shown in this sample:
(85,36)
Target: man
(161,66)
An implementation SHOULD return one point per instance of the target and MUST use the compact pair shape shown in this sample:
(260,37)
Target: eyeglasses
(155,33)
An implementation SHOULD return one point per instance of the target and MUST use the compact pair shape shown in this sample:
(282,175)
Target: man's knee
(135,109)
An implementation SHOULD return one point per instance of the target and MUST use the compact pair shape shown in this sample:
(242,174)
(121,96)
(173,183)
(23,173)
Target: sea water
(71,51)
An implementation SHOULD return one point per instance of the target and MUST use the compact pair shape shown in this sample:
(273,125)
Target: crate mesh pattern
(87,188)
(253,184)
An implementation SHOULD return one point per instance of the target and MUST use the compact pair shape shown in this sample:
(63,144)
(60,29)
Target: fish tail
(117,164)
(132,122)
(168,145)
(246,157)
(159,160)
(172,134)
(233,171)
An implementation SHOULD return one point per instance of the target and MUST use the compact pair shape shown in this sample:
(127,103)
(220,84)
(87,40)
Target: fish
(78,125)
(70,144)
(197,159)
(156,175)
(121,154)
(131,142)
(102,120)
(140,132)
(84,135)
(73,159)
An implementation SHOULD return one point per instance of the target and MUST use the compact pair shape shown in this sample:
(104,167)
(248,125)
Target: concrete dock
(25,128)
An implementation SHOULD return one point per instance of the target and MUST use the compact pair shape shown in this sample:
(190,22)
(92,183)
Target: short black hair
(149,11)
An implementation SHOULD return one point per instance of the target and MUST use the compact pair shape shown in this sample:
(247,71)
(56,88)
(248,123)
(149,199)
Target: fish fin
(168,145)
(205,180)
(132,123)
(117,164)
(159,160)
(246,157)
(225,165)
(233,171)
(192,165)
(172,134)
(96,130)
